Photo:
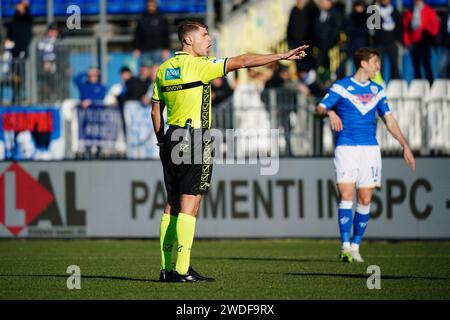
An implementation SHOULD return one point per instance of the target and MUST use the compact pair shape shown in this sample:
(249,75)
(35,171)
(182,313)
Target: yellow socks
(185,235)
(166,239)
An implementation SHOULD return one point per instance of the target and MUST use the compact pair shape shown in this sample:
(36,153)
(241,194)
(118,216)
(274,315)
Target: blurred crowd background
(77,84)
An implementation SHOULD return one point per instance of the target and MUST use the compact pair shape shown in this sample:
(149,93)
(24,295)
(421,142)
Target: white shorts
(358,164)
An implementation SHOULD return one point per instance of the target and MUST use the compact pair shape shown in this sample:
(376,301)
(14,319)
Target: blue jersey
(92,91)
(355,103)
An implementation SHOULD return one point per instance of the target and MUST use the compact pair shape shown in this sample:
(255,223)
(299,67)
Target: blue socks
(360,222)
(345,215)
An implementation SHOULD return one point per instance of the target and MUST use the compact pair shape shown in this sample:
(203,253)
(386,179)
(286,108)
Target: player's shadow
(361,276)
(271,259)
(99,277)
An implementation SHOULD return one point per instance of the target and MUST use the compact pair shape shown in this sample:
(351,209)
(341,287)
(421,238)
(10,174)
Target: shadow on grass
(363,276)
(270,259)
(82,276)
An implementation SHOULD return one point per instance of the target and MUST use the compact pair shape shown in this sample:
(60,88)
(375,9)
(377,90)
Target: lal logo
(32,203)
(22,199)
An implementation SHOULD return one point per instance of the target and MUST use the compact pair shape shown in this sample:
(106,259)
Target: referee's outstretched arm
(250,60)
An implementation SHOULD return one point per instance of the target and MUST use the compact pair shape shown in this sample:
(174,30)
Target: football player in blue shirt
(351,105)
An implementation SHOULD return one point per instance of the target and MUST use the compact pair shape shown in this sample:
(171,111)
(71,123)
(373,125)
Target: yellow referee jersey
(183,85)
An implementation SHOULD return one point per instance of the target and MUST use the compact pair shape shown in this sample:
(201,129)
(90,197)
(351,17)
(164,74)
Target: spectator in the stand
(90,88)
(221,90)
(48,64)
(137,88)
(300,29)
(355,28)
(389,37)
(151,37)
(326,31)
(279,78)
(19,32)
(306,83)
(116,94)
(444,69)
(20,29)
(421,26)
(309,86)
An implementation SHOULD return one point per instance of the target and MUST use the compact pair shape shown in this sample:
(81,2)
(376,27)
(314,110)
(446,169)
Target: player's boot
(166,276)
(356,256)
(206,279)
(188,277)
(346,256)
(191,276)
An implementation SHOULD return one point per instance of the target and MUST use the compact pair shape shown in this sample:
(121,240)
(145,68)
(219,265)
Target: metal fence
(45,76)
(55,64)
(13,80)
(258,112)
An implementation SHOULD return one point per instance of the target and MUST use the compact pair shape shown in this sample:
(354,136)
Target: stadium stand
(92,7)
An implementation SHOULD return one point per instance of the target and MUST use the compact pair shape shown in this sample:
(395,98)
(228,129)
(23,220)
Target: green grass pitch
(288,269)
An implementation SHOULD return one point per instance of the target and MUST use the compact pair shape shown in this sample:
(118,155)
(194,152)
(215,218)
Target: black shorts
(187,165)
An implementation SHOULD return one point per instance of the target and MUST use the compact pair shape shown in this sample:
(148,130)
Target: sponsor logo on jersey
(365,97)
(172,74)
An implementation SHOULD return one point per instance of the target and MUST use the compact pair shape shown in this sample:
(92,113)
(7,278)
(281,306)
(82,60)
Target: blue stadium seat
(89,7)
(114,6)
(167,6)
(177,6)
(8,7)
(135,7)
(38,7)
(59,8)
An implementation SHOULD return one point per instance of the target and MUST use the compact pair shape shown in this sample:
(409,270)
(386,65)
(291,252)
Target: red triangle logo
(31,197)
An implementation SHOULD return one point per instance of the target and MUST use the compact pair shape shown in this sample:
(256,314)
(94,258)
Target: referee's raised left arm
(250,60)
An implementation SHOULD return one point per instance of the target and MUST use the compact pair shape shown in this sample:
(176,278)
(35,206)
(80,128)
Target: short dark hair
(364,54)
(188,26)
(125,69)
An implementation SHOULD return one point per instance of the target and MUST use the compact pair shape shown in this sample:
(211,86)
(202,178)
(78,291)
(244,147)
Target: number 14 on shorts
(374,173)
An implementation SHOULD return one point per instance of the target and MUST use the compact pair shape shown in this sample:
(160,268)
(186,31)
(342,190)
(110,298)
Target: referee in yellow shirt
(183,87)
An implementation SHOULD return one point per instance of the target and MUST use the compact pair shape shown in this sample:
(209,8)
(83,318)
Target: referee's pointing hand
(296,54)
